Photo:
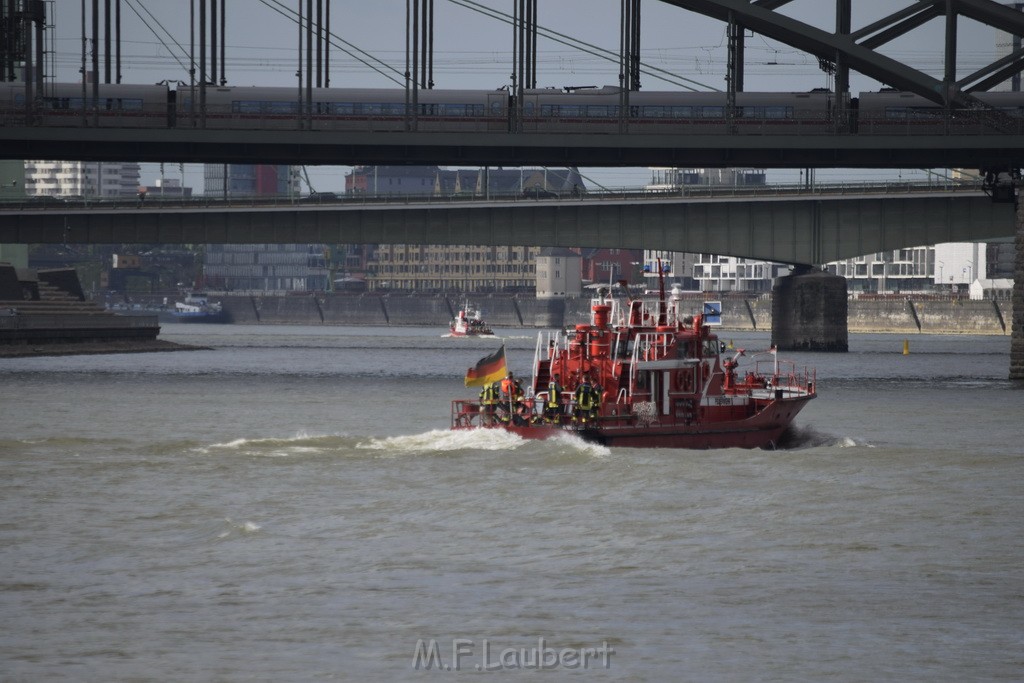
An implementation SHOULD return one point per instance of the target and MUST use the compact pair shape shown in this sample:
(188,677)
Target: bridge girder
(809,231)
(856,47)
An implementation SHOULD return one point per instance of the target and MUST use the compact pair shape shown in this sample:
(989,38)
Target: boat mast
(662,317)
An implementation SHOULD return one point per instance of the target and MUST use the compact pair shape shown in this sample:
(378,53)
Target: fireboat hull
(460,333)
(762,430)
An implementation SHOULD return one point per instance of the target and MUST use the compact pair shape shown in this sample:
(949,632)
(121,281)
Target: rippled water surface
(289,506)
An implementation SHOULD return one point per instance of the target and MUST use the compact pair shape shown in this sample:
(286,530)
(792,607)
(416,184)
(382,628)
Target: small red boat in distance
(645,375)
(469,323)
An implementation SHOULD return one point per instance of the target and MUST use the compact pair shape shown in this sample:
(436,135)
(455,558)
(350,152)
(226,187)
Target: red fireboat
(644,375)
(469,323)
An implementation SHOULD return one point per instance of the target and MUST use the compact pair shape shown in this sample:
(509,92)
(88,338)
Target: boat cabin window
(710,348)
(624,348)
(685,350)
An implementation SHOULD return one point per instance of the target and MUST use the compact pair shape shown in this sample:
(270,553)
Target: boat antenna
(662,317)
(625,287)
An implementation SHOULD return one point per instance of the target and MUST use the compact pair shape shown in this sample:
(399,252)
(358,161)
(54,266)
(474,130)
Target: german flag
(487,370)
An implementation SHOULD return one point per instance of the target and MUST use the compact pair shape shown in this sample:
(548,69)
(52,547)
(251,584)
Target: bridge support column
(809,312)
(1017,327)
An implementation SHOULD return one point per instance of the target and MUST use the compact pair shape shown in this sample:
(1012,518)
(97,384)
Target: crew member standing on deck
(506,403)
(584,397)
(553,404)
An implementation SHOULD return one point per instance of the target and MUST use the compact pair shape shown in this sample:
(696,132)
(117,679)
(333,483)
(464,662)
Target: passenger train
(590,110)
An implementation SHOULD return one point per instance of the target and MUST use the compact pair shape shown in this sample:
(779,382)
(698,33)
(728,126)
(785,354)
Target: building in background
(461,268)
(250,180)
(273,268)
(438,268)
(950,267)
(669,179)
(166,188)
(709,272)
(608,266)
(942,267)
(87,179)
(412,181)
(558,273)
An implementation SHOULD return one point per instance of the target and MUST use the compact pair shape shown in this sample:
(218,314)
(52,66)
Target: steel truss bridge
(839,51)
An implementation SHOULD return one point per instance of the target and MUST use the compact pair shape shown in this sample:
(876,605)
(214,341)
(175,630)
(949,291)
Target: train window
(682,112)
(274,107)
(912,113)
(600,111)
(561,110)
(710,112)
(778,112)
(498,107)
(769,112)
(459,109)
(342,108)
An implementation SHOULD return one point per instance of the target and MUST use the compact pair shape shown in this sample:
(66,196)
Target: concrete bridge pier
(809,312)
(1017,327)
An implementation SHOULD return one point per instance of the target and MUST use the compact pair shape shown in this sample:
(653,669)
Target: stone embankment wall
(898,316)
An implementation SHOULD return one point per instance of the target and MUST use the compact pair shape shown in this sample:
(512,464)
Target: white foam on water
(445,440)
(572,442)
(300,443)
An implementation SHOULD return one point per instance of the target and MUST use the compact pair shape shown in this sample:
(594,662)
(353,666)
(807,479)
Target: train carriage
(118,106)
(555,111)
(598,111)
(370,110)
(904,113)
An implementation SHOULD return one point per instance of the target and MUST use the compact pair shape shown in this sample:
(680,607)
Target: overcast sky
(474,50)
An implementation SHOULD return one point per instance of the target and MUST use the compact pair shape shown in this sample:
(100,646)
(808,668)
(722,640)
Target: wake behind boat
(646,375)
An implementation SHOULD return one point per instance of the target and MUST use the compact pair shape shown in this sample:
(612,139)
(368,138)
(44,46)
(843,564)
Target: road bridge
(800,228)
(328,147)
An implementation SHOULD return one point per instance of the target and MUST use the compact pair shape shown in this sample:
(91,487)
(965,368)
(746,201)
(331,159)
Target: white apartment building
(952,265)
(81,178)
(710,272)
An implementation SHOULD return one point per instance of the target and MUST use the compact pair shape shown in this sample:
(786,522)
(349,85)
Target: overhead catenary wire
(597,51)
(145,23)
(294,17)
